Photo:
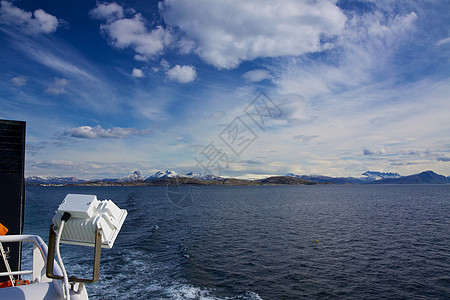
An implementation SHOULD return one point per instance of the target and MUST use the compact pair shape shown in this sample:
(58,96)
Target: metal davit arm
(51,256)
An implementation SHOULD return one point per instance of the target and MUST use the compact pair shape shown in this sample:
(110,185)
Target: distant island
(170,178)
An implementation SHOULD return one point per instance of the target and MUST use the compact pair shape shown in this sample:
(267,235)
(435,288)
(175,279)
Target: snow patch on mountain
(201,176)
(52,180)
(136,175)
(327,179)
(372,176)
(163,174)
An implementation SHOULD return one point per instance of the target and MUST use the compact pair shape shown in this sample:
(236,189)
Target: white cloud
(57,87)
(131,32)
(225,33)
(44,22)
(107,11)
(88,132)
(165,64)
(30,23)
(19,81)
(55,54)
(182,74)
(443,41)
(256,75)
(137,73)
(60,64)
(184,45)
(364,48)
(229,32)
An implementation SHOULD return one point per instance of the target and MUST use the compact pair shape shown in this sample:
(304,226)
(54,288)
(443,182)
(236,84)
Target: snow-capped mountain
(372,176)
(368,177)
(136,175)
(202,176)
(52,180)
(163,174)
(169,174)
(327,179)
(426,177)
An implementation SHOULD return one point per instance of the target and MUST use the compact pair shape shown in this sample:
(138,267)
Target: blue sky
(233,88)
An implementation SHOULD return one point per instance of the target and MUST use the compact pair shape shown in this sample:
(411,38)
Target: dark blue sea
(265,242)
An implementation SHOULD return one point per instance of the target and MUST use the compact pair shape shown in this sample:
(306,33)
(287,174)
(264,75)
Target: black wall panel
(12,186)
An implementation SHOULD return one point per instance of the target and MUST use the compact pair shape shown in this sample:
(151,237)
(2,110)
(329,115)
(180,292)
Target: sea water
(265,242)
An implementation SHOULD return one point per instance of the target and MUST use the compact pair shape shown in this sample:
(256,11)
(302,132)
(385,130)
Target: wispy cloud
(47,57)
(59,63)
(34,148)
(57,87)
(364,50)
(443,41)
(305,138)
(97,132)
(19,80)
(87,169)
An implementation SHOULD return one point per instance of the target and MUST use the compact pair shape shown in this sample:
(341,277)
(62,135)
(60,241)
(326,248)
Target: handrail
(37,240)
(7,266)
(14,273)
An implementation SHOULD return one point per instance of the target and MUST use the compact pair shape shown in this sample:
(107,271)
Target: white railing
(40,251)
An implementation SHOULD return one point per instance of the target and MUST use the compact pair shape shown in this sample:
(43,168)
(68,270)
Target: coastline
(176,181)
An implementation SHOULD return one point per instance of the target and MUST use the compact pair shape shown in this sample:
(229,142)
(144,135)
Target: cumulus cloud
(30,23)
(229,32)
(107,11)
(19,81)
(131,32)
(225,33)
(97,132)
(57,87)
(256,75)
(137,73)
(443,158)
(372,152)
(182,74)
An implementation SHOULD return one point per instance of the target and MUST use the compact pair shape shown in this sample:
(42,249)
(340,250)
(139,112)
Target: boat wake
(145,277)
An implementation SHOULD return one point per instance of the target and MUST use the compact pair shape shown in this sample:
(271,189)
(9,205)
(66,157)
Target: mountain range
(168,177)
